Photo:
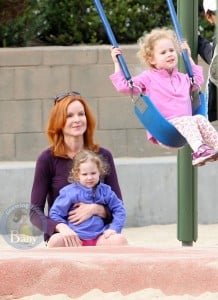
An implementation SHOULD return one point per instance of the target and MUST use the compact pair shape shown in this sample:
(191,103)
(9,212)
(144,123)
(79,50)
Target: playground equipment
(160,128)
(165,132)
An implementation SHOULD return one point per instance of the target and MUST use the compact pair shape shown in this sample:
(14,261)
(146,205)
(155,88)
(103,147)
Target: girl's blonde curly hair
(148,40)
(84,156)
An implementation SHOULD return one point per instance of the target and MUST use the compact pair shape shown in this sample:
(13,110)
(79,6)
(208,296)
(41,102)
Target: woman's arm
(205,49)
(40,188)
(61,209)
(84,211)
(118,211)
(111,179)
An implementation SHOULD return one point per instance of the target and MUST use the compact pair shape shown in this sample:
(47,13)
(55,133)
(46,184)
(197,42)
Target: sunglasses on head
(61,96)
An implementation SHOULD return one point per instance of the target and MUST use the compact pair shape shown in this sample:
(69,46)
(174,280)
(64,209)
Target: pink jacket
(169,92)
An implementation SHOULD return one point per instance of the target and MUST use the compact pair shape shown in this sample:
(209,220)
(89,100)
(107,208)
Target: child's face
(89,174)
(164,55)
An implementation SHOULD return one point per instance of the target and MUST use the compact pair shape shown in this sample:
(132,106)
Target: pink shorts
(89,242)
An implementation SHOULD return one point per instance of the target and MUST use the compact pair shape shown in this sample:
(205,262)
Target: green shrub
(76,22)
(17,22)
(69,22)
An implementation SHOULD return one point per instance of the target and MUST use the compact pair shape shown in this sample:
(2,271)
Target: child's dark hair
(84,156)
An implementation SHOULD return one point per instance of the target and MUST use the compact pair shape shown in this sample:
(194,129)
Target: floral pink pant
(196,129)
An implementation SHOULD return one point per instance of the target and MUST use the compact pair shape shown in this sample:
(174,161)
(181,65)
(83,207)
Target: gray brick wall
(30,78)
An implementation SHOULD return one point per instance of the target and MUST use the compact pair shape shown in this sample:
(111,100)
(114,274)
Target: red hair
(56,123)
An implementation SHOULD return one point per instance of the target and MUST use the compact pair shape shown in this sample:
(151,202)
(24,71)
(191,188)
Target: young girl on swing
(170,90)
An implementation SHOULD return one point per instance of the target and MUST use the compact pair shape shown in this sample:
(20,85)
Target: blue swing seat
(160,128)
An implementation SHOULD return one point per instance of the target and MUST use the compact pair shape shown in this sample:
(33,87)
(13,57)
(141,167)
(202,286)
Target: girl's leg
(197,130)
(208,132)
(200,135)
(188,127)
(117,239)
(56,240)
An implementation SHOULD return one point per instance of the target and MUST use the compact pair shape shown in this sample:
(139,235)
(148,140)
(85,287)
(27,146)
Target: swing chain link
(132,86)
(193,83)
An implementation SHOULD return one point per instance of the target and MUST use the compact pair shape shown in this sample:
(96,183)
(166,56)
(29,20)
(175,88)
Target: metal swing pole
(187,223)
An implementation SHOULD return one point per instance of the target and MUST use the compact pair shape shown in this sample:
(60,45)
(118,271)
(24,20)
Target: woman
(71,128)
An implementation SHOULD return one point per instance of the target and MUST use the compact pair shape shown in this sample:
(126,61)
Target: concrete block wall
(149,188)
(31,77)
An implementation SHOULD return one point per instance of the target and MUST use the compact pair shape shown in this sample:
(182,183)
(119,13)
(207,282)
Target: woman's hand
(70,237)
(84,211)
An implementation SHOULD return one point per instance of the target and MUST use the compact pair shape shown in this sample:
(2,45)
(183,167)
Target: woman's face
(76,122)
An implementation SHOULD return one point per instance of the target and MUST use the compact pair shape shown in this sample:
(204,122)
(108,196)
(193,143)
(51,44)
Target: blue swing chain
(180,39)
(120,58)
(185,57)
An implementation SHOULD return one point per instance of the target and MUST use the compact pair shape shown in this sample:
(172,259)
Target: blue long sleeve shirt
(94,226)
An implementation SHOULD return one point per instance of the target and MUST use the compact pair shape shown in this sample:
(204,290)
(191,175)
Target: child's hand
(108,233)
(185,46)
(70,237)
(114,53)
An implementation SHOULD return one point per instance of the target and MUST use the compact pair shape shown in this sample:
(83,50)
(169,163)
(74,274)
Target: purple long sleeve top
(94,226)
(51,175)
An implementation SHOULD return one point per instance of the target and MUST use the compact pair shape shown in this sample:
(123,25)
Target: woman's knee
(117,239)
(56,240)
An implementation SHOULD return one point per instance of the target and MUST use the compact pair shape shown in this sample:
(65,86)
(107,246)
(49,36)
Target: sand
(156,236)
